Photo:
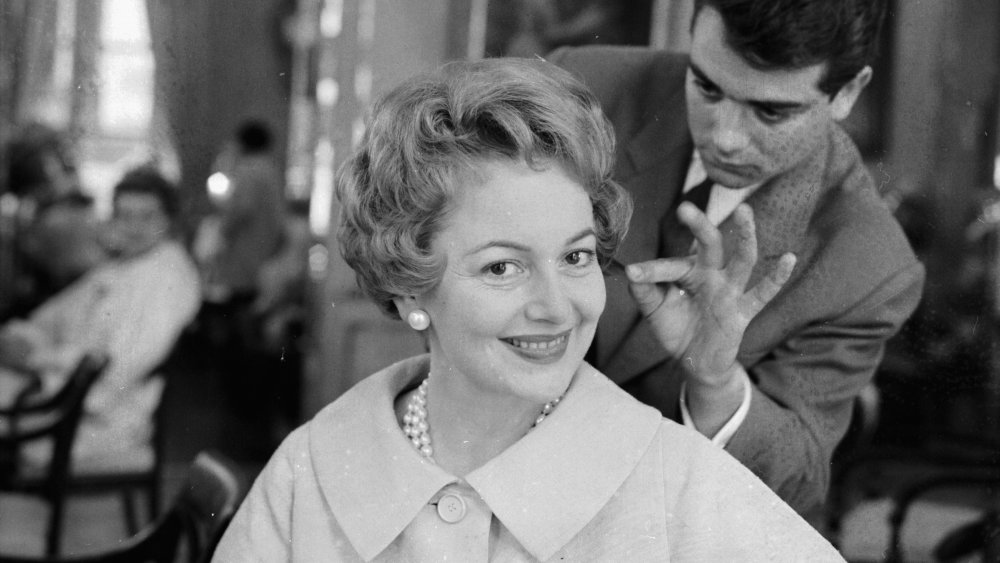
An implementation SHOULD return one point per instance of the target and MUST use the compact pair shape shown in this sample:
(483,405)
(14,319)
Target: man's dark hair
(254,137)
(146,180)
(794,34)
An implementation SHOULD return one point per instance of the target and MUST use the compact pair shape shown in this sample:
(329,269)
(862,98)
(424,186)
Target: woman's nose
(548,300)
(730,134)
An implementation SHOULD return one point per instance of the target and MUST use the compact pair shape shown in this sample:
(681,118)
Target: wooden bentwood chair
(192,527)
(55,418)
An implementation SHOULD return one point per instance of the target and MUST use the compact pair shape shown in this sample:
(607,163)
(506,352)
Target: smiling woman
(521,251)
(479,208)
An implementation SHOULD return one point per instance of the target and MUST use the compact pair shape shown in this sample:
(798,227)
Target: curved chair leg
(131,518)
(153,496)
(56,505)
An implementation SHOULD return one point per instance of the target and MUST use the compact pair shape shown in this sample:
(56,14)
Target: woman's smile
(518,304)
(540,348)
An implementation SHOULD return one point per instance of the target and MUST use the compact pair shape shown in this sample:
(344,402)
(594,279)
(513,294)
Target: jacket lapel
(652,165)
(783,209)
(783,214)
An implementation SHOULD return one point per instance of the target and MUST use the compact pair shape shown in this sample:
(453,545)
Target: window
(117,108)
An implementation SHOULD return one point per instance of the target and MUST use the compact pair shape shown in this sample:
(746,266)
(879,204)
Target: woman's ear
(405,304)
(410,311)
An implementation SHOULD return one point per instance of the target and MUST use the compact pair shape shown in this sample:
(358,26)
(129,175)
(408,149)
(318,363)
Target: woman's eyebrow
(503,243)
(498,243)
(581,235)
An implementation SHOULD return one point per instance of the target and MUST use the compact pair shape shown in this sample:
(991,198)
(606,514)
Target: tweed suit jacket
(812,349)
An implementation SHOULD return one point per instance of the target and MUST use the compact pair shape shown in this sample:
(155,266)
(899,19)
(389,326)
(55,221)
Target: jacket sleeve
(139,321)
(805,389)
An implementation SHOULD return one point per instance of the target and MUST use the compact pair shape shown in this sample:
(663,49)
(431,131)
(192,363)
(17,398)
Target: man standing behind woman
(752,115)
(479,208)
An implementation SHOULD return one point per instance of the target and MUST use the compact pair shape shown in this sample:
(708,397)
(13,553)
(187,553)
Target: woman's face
(517,306)
(138,223)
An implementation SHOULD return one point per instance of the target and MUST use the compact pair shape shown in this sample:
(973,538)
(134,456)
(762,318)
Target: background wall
(219,62)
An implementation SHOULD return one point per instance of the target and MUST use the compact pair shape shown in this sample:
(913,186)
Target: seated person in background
(133,308)
(479,207)
(60,244)
(55,226)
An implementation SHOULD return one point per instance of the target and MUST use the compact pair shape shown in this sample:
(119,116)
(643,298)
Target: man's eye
(706,89)
(498,269)
(769,115)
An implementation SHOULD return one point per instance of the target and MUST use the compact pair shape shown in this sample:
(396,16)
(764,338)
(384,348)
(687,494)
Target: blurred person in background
(234,244)
(251,214)
(55,229)
(133,308)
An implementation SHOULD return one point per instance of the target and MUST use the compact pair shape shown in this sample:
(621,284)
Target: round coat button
(451,508)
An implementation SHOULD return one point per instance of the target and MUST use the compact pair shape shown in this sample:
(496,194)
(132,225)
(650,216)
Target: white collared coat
(605,478)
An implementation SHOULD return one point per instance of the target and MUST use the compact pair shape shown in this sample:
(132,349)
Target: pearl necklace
(418,431)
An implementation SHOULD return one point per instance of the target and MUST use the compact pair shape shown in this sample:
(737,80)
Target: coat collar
(544,489)
(555,480)
(372,478)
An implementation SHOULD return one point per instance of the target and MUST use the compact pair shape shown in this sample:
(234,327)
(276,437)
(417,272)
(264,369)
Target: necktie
(675,238)
(699,194)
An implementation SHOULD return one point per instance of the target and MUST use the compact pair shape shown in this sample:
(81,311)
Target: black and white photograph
(499,280)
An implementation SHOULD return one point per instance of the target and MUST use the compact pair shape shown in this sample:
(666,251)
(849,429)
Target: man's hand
(699,307)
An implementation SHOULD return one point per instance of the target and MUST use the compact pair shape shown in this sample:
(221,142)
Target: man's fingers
(648,280)
(664,270)
(710,253)
(744,255)
(648,296)
(771,284)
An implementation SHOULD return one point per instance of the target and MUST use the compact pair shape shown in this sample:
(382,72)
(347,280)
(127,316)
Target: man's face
(751,125)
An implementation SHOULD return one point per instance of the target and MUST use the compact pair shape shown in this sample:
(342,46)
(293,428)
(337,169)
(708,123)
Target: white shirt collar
(723,200)
(376,483)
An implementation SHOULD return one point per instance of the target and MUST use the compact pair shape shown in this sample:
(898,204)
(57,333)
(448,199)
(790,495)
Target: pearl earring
(418,319)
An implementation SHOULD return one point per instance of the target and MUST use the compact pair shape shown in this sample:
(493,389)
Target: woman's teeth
(537,345)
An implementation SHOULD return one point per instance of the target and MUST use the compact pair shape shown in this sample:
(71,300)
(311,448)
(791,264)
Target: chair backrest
(193,526)
(56,418)
(195,522)
(214,492)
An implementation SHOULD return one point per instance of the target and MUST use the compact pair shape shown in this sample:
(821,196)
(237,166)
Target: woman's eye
(580,258)
(502,270)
